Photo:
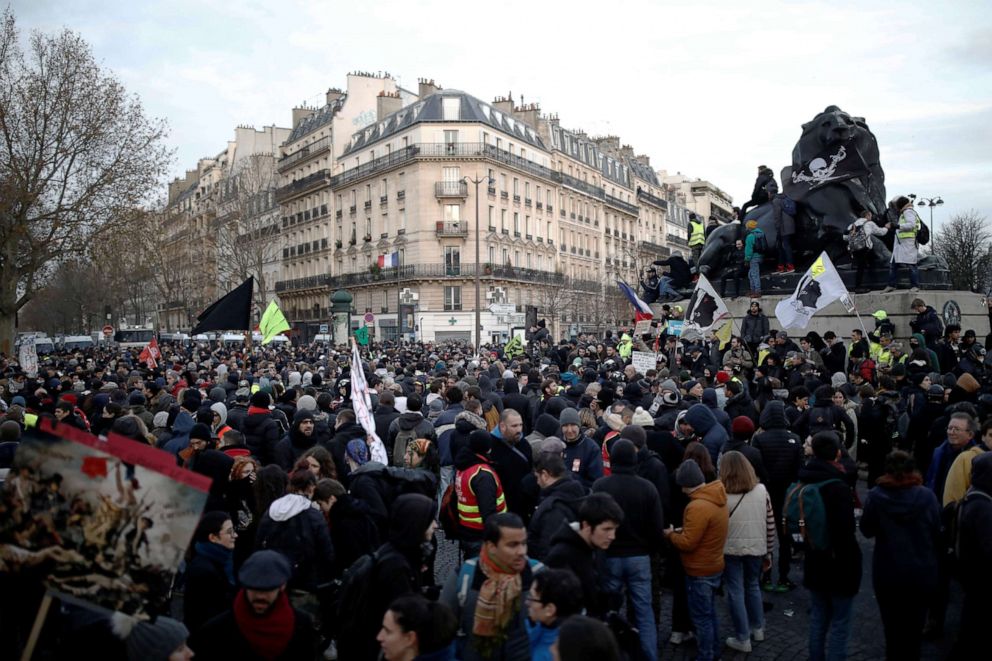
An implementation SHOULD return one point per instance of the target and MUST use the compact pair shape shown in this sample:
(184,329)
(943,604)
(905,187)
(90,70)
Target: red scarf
(269,634)
(257,409)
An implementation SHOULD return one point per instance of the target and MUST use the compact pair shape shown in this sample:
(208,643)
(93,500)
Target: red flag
(150,354)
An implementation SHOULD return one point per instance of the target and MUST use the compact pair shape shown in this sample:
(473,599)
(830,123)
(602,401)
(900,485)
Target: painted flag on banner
(150,354)
(362,335)
(28,358)
(641,309)
(390,260)
(725,332)
(820,286)
(513,348)
(362,404)
(272,323)
(704,312)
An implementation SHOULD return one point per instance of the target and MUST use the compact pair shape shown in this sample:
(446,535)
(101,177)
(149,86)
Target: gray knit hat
(688,474)
(149,641)
(569,416)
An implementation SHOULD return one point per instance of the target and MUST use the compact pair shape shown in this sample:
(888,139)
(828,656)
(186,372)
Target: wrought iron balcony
(302,186)
(450,189)
(451,229)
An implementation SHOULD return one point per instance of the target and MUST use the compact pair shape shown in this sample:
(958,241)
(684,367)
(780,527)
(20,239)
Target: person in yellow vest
(904,251)
(883,352)
(697,238)
(625,347)
(478,489)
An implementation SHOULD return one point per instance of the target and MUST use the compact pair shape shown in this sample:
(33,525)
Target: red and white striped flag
(150,354)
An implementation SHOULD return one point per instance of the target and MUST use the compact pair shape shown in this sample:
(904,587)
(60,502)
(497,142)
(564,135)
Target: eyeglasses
(960,429)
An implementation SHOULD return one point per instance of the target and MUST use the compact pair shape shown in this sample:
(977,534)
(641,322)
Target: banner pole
(39,623)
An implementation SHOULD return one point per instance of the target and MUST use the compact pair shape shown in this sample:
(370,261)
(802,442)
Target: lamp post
(928,202)
(478,297)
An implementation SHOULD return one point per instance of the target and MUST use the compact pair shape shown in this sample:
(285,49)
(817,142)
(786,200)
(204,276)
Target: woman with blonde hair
(748,550)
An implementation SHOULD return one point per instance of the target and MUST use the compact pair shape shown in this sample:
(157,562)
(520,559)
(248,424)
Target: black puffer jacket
(296,529)
(754,327)
(569,551)
(836,571)
(262,433)
(295,443)
(781,450)
(558,506)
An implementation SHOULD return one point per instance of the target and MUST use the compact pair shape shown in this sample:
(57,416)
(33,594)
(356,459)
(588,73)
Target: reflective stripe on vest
(698,235)
(908,234)
(468,505)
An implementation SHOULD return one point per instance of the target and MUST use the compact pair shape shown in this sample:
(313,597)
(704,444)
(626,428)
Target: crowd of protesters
(576,488)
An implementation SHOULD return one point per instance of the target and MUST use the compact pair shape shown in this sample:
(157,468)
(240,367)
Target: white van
(77,343)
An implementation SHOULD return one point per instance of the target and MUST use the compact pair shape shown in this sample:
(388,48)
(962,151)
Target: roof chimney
(504,103)
(528,114)
(386,104)
(333,94)
(427,87)
(300,113)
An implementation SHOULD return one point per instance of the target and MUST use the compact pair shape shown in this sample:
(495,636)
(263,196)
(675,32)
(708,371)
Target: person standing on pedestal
(905,251)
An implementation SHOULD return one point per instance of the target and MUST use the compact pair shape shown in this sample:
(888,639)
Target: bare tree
(248,232)
(76,149)
(965,243)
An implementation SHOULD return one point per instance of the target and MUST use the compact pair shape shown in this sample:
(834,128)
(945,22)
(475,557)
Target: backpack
(353,592)
(403,437)
(760,244)
(788,205)
(857,239)
(923,236)
(805,516)
(287,538)
(448,513)
(950,525)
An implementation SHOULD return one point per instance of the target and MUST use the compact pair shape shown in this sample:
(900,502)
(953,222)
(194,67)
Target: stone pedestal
(973,312)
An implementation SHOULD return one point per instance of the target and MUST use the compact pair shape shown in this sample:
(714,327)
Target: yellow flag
(818,268)
(724,332)
(273,322)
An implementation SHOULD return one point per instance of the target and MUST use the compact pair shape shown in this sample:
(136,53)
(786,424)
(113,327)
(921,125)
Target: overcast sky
(710,89)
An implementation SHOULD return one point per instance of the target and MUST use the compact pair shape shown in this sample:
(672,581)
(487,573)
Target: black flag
(230,312)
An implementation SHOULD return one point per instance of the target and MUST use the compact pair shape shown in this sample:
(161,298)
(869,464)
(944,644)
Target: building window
(452,212)
(452,260)
(492,254)
(452,298)
(451,142)
(451,109)
(502,220)
(516,223)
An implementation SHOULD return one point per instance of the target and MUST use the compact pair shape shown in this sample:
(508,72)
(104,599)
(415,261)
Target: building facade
(700,196)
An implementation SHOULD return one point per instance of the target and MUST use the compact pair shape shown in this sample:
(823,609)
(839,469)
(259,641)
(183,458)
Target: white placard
(644,361)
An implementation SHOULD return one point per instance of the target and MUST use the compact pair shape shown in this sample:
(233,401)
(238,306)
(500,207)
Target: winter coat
(181,427)
(640,531)
(785,224)
(754,328)
(344,434)
(454,439)
(704,531)
(569,551)
(236,415)
(870,229)
(905,519)
(710,399)
(353,532)
(749,243)
(976,530)
(940,465)
(558,506)
(512,464)
(294,527)
(484,485)
(409,421)
(741,404)
(904,251)
(959,475)
(208,592)
(751,527)
(262,433)
(781,450)
(837,570)
(512,399)
(929,325)
(752,455)
(221,640)
(384,416)
(584,458)
(705,425)
(294,444)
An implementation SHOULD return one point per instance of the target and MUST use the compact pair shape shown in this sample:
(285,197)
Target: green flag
(362,335)
(273,322)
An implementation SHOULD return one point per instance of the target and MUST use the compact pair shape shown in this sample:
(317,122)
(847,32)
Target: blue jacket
(943,457)
(906,521)
(181,427)
(704,424)
(541,640)
(584,458)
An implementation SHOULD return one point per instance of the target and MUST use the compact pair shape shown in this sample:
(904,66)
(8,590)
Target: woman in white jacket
(904,250)
(750,541)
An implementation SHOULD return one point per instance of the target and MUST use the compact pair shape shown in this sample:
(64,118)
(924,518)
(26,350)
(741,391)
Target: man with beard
(300,438)
(261,623)
(582,456)
(512,459)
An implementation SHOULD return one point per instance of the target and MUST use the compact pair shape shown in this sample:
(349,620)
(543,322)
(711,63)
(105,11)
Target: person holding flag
(150,354)
(642,310)
(705,311)
(820,286)
(361,402)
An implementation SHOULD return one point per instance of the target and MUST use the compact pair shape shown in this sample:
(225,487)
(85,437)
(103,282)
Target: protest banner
(103,523)
(644,361)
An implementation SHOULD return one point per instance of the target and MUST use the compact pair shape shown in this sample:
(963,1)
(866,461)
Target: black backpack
(923,236)
(788,204)
(950,524)
(286,537)
(760,244)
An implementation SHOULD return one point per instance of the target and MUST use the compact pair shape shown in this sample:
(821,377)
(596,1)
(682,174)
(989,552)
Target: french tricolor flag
(641,309)
(390,260)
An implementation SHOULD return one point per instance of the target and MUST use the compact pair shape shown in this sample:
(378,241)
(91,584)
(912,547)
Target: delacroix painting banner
(104,522)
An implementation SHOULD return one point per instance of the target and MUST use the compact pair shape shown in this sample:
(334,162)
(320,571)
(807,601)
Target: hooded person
(397,572)
(705,426)
(513,399)
(262,431)
(545,427)
(711,400)
(137,403)
(301,437)
(407,426)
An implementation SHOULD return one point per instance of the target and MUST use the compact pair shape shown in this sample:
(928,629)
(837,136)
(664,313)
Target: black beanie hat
(260,399)
(623,454)
(480,441)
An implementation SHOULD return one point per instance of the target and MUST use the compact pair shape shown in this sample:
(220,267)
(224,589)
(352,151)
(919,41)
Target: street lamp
(928,202)
(478,297)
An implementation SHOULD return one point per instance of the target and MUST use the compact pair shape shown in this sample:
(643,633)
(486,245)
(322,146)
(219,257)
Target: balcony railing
(427,271)
(678,240)
(651,199)
(450,189)
(447,229)
(303,153)
(654,248)
(301,186)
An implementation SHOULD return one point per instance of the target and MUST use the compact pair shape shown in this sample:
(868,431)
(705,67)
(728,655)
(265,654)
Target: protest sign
(675,328)
(644,361)
(106,523)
